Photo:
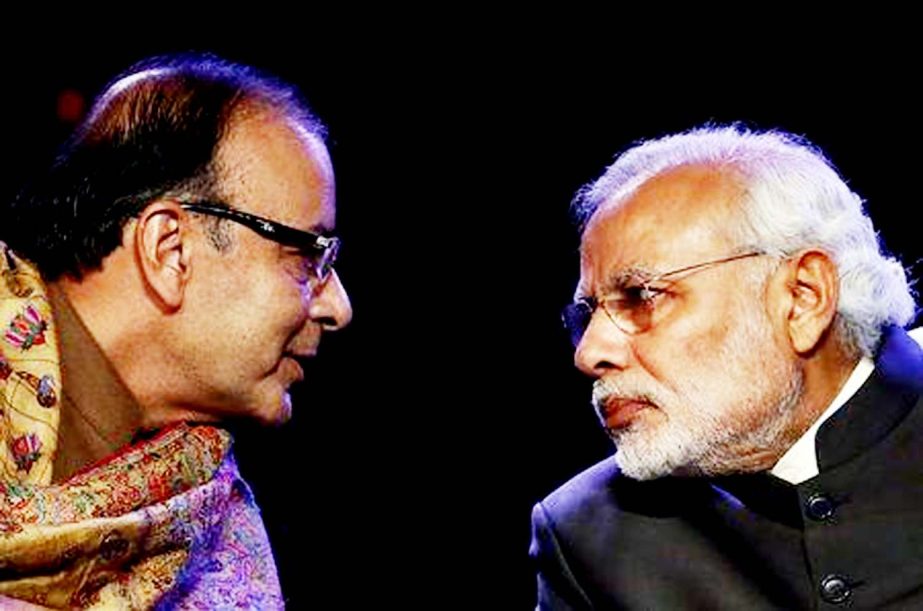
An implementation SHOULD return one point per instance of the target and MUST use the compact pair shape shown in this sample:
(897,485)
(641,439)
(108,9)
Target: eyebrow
(619,279)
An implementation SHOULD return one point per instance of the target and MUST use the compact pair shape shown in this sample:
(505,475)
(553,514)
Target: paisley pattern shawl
(167,522)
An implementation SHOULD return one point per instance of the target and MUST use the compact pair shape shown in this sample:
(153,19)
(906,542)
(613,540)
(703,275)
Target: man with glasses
(745,335)
(172,270)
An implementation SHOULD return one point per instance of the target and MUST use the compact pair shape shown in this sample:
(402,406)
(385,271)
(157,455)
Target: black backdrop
(428,429)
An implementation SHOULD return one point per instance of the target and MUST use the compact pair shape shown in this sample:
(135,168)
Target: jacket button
(819,507)
(835,589)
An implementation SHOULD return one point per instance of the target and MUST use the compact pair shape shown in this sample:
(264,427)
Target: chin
(269,411)
(283,411)
(280,415)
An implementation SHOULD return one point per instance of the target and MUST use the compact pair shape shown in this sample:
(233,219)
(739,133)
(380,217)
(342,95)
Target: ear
(163,251)
(813,288)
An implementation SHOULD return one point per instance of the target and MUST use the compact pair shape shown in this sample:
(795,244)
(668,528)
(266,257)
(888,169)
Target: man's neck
(825,374)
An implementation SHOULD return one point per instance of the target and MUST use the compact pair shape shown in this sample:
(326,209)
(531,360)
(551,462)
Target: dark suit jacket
(850,537)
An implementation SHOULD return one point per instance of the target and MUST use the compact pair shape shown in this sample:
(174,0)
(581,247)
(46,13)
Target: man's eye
(637,296)
(303,267)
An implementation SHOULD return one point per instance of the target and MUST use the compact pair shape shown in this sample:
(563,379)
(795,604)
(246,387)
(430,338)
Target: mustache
(605,390)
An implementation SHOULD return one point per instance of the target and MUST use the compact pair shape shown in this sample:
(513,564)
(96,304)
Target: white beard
(725,414)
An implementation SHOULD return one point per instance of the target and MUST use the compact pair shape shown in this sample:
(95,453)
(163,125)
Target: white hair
(794,199)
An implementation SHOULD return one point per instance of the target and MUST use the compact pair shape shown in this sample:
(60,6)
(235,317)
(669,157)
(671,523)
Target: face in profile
(260,306)
(706,384)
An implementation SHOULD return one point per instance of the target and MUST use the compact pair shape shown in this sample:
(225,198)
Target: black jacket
(851,537)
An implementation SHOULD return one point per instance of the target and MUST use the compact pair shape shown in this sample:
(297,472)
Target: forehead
(674,219)
(273,167)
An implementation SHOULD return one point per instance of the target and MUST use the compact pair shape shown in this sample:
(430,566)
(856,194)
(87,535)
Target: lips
(297,363)
(300,370)
(619,412)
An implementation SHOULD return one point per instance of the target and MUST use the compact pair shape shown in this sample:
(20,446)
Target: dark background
(430,426)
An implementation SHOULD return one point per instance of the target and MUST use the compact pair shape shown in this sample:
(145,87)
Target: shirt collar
(98,413)
(799,463)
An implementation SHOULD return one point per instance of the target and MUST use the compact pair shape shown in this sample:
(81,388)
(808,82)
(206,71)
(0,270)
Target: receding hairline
(257,111)
(111,111)
(725,219)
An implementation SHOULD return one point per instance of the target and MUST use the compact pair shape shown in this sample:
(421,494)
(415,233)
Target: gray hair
(794,199)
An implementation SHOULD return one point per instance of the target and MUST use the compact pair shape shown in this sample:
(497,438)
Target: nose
(603,348)
(330,306)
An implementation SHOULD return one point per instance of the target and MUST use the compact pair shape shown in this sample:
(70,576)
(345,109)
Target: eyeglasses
(630,308)
(305,241)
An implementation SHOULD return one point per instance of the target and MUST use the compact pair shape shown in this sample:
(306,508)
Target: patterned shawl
(166,522)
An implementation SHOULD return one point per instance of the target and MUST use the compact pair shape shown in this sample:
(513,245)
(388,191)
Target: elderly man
(744,331)
(170,271)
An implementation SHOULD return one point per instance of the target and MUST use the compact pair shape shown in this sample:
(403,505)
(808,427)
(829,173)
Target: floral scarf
(166,522)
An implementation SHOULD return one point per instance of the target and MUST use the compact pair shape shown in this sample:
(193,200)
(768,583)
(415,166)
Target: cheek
(286,303)
(670,347)
(684,356)
(250,318)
